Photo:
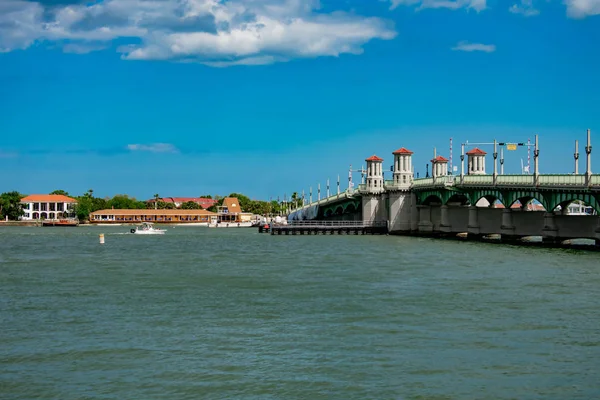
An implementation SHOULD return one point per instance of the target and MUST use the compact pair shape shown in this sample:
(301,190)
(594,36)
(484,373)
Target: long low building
(158,216)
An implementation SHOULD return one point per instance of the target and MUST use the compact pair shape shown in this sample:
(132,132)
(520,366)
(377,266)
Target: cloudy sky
(266,97)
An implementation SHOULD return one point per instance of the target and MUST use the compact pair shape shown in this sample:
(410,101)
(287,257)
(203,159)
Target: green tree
(122,201)
(190,205)
(10,205)
(206,196)
(60,191)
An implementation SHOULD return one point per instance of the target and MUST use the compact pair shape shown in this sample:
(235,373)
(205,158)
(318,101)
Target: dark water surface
(225,313)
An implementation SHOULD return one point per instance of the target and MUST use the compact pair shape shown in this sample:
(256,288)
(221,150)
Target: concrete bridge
(472,203)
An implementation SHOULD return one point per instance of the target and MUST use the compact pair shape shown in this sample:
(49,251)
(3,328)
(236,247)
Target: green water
(230,314)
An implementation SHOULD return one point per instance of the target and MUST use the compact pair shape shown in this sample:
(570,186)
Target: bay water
(204,313)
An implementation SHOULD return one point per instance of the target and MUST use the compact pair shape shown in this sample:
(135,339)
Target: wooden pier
(326,228)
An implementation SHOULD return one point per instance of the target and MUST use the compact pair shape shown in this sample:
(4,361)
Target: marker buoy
(101,236)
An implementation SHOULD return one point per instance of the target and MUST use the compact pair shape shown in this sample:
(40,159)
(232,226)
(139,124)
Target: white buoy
(101,238)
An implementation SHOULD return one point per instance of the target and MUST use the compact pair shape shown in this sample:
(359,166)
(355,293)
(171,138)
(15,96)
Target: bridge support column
(425,224)
(473,227)
(444,220)
(507,229)
(598,233)
(550,231)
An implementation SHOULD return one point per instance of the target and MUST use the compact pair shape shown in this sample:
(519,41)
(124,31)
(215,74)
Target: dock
(326,228)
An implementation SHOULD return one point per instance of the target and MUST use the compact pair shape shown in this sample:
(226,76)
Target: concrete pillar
(598,233)
(507,229)
(473,227)
(425,224)
(588,164)
(444,219)
(550,231)
(536,154)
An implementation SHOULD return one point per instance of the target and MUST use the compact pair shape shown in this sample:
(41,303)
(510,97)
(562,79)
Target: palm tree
(156,197)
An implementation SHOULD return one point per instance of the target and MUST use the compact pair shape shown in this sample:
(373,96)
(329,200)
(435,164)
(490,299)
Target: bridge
(473,202)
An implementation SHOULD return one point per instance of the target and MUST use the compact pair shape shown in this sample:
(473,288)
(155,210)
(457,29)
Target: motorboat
(147,228)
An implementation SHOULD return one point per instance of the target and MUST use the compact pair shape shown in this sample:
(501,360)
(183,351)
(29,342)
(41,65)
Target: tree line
(10,204)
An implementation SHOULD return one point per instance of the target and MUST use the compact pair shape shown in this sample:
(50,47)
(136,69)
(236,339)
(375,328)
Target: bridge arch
(588,200)
(462,198)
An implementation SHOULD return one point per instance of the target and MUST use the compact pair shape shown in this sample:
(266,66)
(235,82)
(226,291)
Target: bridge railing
(423,182)
(561,179)
(481,179)
(595,180)
(337,224)
(514,180)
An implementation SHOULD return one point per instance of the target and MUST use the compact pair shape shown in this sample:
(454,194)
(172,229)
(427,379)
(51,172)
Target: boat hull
(60,222)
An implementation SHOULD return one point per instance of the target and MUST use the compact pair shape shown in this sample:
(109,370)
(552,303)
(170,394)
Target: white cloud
(525,8)
(582,8)
(466,46)
(477,5)
(83,48)
(154,147)
(213,32)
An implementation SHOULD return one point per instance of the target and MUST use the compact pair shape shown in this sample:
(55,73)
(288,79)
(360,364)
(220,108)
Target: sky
(265,97)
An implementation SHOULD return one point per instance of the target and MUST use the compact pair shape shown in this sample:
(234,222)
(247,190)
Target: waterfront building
(159,216)
(231,211)
(178,201)
(46,206)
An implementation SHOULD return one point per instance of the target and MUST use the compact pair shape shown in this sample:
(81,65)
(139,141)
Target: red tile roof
(47,198)
(374,158)
(476,152)
(439,159)
(201,201)
(402,150)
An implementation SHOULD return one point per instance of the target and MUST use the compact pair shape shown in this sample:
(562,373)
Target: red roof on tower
(439,159)
(402,150)
(374,158)
(476,152)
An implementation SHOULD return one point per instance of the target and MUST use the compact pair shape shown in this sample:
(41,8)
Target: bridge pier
(425,224)
(507,229)
(445,226)
(550,231)
(597,231)
(473,228)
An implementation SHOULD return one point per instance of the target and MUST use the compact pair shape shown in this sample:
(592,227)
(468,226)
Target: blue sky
(265,97)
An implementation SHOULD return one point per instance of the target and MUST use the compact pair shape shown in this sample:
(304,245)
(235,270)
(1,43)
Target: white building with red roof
(46,206)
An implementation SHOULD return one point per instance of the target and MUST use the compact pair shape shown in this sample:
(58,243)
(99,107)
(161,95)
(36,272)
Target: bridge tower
(476,161)
(399,198)
(439,167)
(403,175)
(374,174)
(373,206)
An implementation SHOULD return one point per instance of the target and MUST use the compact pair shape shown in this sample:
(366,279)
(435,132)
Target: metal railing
(335,224)
(595,180)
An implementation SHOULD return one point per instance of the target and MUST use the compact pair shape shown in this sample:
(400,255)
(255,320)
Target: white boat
(147,228)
